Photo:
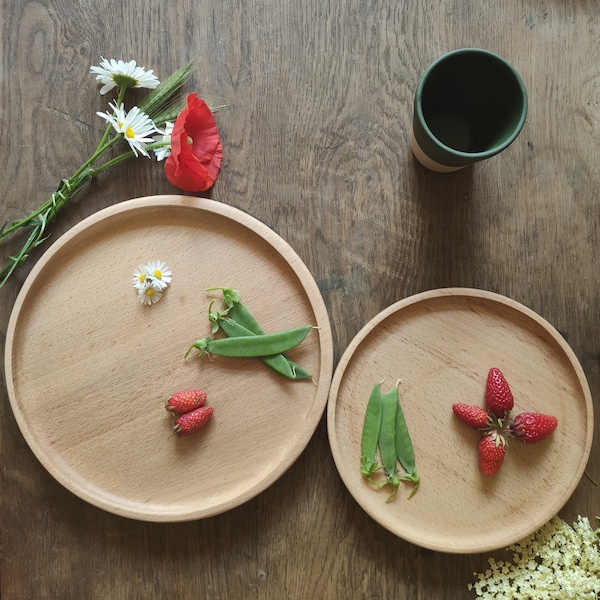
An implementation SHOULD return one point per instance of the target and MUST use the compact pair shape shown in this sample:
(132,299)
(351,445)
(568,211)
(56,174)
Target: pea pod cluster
(246,338)
(385,429)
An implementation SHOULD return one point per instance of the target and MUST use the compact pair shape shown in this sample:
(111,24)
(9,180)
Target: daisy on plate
(140,277)
(159,273)
(149,294)
(117,73)
(135,126)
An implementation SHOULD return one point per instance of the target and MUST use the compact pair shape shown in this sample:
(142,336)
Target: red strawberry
(498,397)
(531,427)
(473,416)
(183,402)
(193,420)
(492,450)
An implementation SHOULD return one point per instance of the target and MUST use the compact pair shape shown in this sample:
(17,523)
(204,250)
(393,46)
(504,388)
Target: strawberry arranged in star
(495,423)
(532,427)
(498,397)
(491,450)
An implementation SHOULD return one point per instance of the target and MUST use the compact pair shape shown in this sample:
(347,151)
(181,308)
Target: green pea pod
(405,451)
(298,371)
(278,362)
(252,346)
(370,433)
(387,438)
(238,312)
(234,309)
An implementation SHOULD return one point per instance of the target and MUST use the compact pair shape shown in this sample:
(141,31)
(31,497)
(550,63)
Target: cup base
(427,162)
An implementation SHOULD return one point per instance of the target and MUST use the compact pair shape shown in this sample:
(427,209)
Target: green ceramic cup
(470,104)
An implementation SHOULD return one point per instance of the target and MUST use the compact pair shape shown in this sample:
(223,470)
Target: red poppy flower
(196,150)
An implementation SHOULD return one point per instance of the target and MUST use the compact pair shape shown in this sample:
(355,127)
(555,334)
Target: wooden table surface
(316,146)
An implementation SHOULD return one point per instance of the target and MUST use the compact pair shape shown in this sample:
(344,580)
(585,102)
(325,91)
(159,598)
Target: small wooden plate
(89,368)
(441,345)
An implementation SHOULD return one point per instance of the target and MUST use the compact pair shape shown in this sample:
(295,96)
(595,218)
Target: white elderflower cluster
(151,280)
(558,562)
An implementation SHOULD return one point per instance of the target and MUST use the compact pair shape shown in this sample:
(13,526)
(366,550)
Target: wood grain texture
(316,141)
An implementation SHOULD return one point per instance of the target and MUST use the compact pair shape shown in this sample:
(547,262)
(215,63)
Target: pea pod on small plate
(387,439)
(370,433)
(405,451)
(385,428)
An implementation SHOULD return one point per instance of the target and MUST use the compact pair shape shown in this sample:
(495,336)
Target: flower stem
(39,219)
(66,191)
(65,188)
(161,105)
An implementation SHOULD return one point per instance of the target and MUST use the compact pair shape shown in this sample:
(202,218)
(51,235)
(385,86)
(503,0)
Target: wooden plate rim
(458,292)
(297,266)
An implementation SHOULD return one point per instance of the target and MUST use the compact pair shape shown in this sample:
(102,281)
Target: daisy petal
(135,125)
(164,137)
(159,273)
(116,73)
(149,295)
(151,280)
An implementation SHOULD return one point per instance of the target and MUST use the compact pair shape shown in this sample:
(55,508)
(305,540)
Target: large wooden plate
(88,367)
(441,344)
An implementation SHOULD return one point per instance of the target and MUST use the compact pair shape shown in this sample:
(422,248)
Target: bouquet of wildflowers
(183,132)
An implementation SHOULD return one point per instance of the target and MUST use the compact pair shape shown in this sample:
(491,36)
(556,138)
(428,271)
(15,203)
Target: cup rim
(472,156)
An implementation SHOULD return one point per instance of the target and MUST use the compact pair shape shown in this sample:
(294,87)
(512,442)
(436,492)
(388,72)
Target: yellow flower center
(158,274)
(149,292)
(190,141)
(129,133)
(142,278)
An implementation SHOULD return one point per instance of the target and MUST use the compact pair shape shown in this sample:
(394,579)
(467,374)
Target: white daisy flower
(149,295)
(116,73)
(140,277)
(164,138)
(159,273)
(135,126)
(151,280)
